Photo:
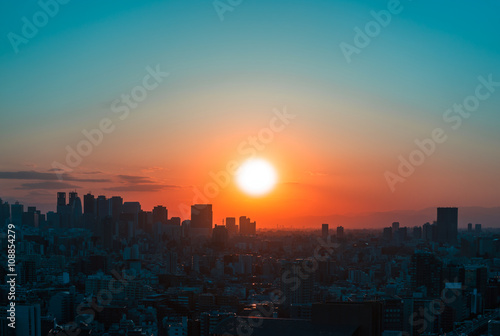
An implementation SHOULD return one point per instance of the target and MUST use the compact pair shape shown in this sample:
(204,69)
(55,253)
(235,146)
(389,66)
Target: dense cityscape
(105,266)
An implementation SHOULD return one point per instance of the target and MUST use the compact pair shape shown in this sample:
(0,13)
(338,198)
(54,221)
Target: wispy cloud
(135,179)
(316,173)
(49,185)
(142,187)
(34,175)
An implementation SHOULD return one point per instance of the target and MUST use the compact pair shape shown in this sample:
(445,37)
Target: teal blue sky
(263,54)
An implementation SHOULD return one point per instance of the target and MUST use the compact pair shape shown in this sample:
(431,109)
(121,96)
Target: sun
(256,177)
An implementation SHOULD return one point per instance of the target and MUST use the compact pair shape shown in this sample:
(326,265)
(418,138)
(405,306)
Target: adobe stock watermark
(122,108)
(248,149)
(454,117)
(372,29)
(31,26)
(223,6)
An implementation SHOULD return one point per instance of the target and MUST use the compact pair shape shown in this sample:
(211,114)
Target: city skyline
(249,168)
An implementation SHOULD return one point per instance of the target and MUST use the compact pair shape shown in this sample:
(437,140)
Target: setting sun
(256,177)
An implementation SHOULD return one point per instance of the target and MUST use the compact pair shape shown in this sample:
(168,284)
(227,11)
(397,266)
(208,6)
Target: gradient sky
(352,120)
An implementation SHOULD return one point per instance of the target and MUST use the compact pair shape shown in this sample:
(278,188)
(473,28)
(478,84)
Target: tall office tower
(426,271)
(477,228)
(417,232)
(476,277)
(174,221)
(231,226)
(294,291)
(29,217)
(469,227)
(16,213)
(28,320)
(89,204)
(247,228)
(395,227)
(160,214)
(61,306)
(324,231)
(220,236)
(61,202)
(131,211)
(427,232)
(340,232)
(4,212)
(115,207)
(201,216)
(76,213)
(72,196)
(447,225)
(102,207)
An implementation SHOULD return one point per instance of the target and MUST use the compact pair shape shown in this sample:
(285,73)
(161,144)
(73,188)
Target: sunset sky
(228,80)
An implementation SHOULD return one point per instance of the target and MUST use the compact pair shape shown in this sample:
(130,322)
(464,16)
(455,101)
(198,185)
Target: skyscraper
(447,225)
(247,228)
(340,232)
(115,207)
(231,225)
(89,204)
(28,320)
(324,230)
(72,196)
(61,202)
(426,270)
(16,212)
(201,216)
(102,207)
(160,214)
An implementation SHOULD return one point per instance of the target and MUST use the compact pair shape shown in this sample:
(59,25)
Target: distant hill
(488,217)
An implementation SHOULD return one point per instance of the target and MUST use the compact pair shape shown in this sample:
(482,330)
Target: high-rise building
(28,320)
(89,204)
(115,207)
(469,227)
(201,216)
(102,207)
(220,236)
(340,232)
(447,225)
(247,228)
(72,196)
(324,230)
(426,271)
(174,221)
(16,211)
(477,228)
(231,226)
(61,202)
(160,214)
(395,227)
(297,288)
(4,212)
(61,307)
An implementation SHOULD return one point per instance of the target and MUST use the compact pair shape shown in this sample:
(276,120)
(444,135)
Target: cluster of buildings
(107,267)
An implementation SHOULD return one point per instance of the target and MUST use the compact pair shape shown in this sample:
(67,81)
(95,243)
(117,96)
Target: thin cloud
(142,187)
(135,179)
(34,175)
(49,185)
